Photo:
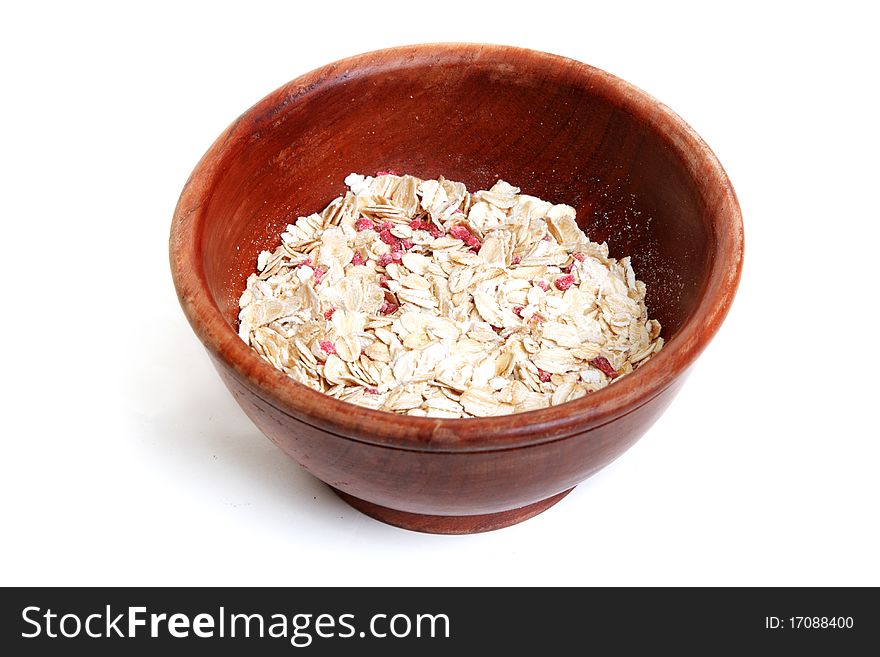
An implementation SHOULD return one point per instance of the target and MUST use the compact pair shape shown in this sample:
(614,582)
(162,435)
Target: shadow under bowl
(639,177)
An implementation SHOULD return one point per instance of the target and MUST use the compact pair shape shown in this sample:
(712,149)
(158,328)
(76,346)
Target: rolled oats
(418,297)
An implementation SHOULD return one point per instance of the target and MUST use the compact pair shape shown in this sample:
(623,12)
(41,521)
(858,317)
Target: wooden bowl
(638,176)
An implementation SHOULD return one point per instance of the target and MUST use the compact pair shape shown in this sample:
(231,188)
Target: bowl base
(428,524)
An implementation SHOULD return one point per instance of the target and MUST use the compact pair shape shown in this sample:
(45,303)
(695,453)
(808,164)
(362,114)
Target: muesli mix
(419,297)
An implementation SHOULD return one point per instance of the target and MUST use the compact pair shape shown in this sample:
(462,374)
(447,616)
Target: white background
(126,462)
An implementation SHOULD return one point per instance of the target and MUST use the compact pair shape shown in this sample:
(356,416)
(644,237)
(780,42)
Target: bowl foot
(418,522)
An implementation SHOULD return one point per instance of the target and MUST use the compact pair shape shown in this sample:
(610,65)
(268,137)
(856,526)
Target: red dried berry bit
(538,318)
(327,347)
(517,310)
(383,280)
(305,263)
(386,236)
(364,224)
(464,234)
(601,363)
(388,308)
(328,315)
(372,391)
(564,282)
(580,257)
(435,231)
(516,260)
(416,224)
(393,256)
(388,172)
(544,285)
(544,376)
(547,238)
(406,245)
(358,260)
(319,274)
(460,232)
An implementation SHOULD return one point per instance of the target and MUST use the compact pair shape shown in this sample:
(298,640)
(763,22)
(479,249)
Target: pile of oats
(418,297)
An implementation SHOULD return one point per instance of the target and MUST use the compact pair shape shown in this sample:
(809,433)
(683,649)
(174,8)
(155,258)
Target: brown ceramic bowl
(638,176)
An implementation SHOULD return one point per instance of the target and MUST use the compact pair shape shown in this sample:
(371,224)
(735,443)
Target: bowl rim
(364,425)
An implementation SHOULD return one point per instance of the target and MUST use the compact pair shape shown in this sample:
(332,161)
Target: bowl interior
(558,130)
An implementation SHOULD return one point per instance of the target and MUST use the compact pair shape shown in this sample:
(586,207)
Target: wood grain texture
(638,176)
(450,524)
